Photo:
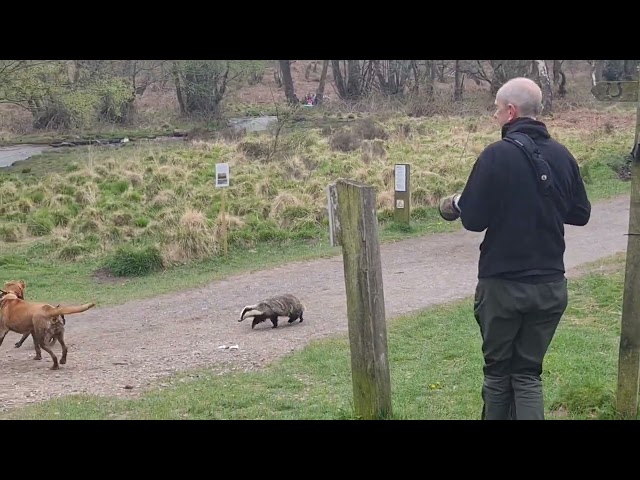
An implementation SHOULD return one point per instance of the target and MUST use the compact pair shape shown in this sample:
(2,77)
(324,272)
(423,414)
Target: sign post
(629,352)
(402,194)
(222,181)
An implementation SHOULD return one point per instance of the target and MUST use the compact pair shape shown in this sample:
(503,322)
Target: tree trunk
(355,79)
(287,81)
(277,77)
(338,79)
(440,70)
(457,85)
(430,77)
(597,66)
(629,69)
(416,76)
(559,77)
(545,83)
(323,79)
(179,88)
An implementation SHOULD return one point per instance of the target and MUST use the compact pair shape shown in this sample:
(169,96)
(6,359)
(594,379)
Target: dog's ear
(23,284)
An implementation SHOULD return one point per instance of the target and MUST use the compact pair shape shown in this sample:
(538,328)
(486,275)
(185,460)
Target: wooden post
(332,212)
(402,194)
(365,300)
(223,181)
(223,212)
(629,352)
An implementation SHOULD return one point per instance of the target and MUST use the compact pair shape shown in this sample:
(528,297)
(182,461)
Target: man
(522,290)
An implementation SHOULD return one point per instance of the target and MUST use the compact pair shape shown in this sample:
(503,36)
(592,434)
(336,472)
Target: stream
(13,153)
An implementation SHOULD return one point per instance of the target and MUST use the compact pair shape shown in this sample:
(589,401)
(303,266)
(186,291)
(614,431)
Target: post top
(352,183)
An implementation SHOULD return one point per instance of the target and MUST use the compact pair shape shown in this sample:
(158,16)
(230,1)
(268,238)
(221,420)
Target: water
(253,124)
(13,153)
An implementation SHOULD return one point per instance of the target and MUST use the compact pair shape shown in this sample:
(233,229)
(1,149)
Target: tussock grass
(164,195)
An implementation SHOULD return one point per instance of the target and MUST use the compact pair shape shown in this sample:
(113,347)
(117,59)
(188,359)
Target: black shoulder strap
(540,167)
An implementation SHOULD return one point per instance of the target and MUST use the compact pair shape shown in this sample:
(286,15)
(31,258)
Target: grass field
(435,362)
(148,214)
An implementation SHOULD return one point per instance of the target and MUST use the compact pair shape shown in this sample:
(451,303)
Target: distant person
(523,204)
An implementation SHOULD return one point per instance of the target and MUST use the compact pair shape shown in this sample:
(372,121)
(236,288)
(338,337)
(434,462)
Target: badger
(286,305)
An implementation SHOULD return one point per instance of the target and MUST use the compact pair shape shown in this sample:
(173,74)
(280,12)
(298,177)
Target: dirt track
(138,343)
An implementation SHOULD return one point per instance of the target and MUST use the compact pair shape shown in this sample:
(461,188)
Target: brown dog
(18,287)
(41,320)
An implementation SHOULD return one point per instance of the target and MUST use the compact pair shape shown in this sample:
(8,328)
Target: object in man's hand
(448,207)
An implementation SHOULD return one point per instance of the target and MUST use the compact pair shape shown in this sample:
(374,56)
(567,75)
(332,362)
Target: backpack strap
(540,167)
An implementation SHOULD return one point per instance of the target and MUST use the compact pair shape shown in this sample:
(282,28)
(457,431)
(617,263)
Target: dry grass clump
(162,199)
(190,237)
(88,195)
(12,232)
(8,191)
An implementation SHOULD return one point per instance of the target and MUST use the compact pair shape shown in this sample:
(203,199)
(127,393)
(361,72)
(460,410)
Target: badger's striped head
(249,311)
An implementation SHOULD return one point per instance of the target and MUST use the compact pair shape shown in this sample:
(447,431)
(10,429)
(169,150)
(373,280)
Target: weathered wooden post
(629,353)
(357,233)
(402,194)
(332,212)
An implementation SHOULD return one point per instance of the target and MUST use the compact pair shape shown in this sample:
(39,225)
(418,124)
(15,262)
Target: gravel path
(136,344)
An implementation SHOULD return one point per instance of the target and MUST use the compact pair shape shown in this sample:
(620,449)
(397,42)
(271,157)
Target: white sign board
(401,178)
(222,175)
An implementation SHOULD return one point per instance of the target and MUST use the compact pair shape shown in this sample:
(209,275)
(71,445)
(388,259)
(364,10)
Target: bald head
(522,93)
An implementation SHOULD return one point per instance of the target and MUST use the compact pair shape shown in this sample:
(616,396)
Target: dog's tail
(73,309)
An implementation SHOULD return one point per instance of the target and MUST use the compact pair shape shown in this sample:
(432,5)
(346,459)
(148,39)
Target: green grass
(435,363)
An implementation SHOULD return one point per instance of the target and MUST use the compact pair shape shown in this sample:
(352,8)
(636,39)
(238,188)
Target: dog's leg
(21,341)
(274,320)
(44,346)
(37,347)
(60,338)
(3,333)
(293,318)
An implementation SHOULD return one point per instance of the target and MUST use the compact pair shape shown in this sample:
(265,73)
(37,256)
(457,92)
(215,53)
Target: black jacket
(524,236)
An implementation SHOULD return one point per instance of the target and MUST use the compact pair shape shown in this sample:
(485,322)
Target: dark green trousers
(517,323)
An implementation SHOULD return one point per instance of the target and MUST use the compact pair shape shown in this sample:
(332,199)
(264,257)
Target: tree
(545,85)
(287,80)
(202,84)
(321,84)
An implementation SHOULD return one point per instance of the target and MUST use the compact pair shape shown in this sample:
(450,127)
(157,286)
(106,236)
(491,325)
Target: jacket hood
(534,128)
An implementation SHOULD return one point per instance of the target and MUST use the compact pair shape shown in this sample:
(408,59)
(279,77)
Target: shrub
(131,261)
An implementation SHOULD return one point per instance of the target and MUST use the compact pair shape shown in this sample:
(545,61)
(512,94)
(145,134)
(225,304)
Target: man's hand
(448,207)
